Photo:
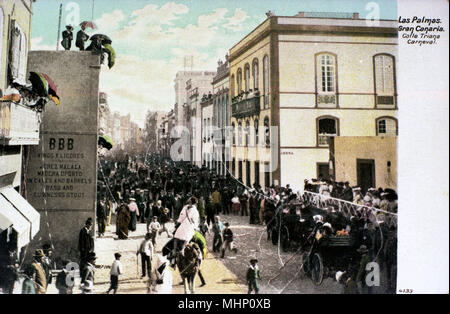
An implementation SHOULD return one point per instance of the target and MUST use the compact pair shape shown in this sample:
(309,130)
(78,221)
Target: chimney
(356,16)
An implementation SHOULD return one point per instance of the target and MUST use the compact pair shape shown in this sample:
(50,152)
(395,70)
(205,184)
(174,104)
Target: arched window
(326,78)
(255,72)
(327,127)
(384,79)
(247,133)
(387,126)
(256,128)
(266,81)
(240,133)
(267,131)
(239,81)
(247,78)
(232,87)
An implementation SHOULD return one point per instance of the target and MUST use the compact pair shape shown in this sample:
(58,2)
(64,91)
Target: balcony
(19,125)
(325,139)
(245,107)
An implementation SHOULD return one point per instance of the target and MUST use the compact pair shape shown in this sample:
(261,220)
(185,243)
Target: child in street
(154,228)
(116,270)
(253,275)
(165,219)
(217,229)
(227,236)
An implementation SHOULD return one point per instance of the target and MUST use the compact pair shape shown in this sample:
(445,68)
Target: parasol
(43,86)
(391,195)
(51,85)
(105,141)
(103,38)
(39,84)
(88,24)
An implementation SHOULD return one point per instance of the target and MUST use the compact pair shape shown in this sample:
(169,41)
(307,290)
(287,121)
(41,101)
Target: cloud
(109,22)
(37,44)
(235,22)
(151,45)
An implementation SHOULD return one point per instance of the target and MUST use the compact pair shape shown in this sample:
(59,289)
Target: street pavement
(218,278)
(281,271)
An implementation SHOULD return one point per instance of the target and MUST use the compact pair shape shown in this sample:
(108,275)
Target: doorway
(365,173)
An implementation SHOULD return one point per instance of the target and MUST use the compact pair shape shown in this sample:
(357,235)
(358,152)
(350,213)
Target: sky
(151,38)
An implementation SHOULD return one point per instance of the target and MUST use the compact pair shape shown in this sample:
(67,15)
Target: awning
(15,211)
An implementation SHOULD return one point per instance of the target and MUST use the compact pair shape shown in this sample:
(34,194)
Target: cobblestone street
(251,241)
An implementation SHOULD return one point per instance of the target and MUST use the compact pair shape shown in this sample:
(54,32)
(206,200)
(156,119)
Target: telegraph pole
(93,4)
(59,27)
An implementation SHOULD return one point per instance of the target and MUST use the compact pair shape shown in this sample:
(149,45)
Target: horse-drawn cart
(329,254)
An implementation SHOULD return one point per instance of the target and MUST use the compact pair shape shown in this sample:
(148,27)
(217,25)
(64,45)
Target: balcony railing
(324,139)
(245,107)
(19,125)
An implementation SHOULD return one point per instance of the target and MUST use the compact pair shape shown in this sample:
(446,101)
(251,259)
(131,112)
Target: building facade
(197,87)
(308,77)
(19,130)
(366,161)
(221,118)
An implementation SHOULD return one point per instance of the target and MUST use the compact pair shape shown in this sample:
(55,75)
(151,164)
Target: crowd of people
(155,191)
(159,189)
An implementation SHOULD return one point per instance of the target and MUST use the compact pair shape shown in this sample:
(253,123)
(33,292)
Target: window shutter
(384,74)
(14,50)
(391,128)
(23,58)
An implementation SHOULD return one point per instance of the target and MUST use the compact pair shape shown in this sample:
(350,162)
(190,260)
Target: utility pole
(59,27)
(93,4)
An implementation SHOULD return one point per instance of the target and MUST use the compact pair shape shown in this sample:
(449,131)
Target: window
(384,79)
(247,133)
(239,81)
(208,128)
(256,127)
(326,79)
(266,174)
(232,87)
(240,134)
(233,127)
(257,172)
(327,127)
(267,131)
(247,77)
(266,81)
(255,74)
(233,167)
(204,128)
(386,126)
(240,170)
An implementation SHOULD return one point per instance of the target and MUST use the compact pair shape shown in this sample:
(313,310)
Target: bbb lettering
(61,143)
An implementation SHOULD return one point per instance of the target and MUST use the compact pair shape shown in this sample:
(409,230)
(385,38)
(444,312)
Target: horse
(189,265)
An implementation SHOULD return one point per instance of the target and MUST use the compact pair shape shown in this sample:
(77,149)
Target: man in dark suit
(85,243)
(67,37)
(81,38)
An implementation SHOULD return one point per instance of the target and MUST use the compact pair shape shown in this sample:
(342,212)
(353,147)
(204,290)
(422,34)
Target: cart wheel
(317,269)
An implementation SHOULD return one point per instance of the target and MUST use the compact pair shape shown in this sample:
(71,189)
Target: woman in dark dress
(123,221)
